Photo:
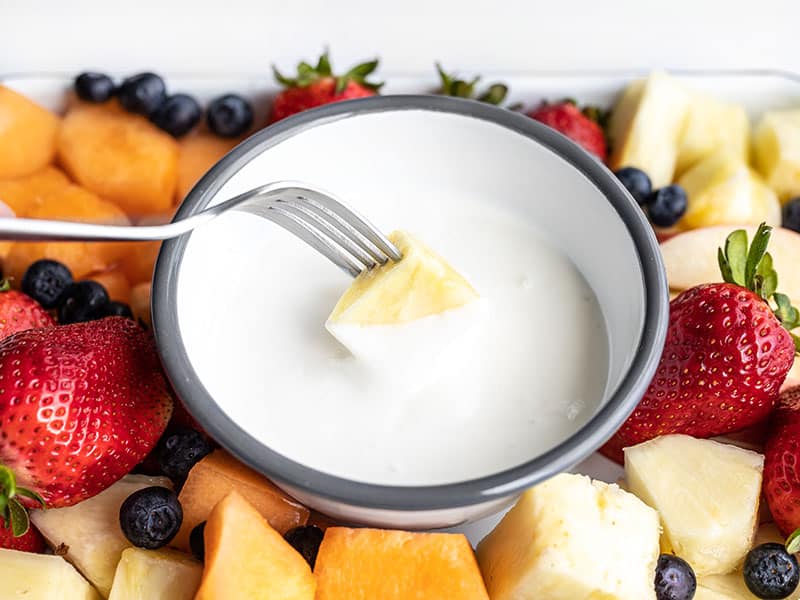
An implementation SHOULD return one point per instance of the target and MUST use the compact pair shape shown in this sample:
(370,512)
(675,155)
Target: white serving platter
(756,90)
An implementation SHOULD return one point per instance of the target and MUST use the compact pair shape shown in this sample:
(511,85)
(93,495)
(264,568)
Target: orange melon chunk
(24,193)
(27,135)
(247,559)
(120,156)
(362,564)
(198,153)
(217,475)
(115,282)
(140,304)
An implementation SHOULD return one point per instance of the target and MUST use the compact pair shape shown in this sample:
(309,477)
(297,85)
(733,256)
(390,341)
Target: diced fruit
(140,303)
(306,539)
(666,205)
(27,135)
(566,118)
(675,579)
(115,283)
(23,193)
(636,181)
(94,87)
(82,301)
(246,558)
(89,531)
(547,545)
(397,565)
(791,214)
(229,116)
(218,474)
(317,86)
(45,281)
(177,115)
(139,260)
(122,157)
(151,517)
(142,93)
(776,147)
(41,577)
(155,575)
(646,127)
(726,355)
(723,190)
(770,571)
(706,493)
(690,258)
(782,455)
(198,153)
(712,126)
(180,450)
(19,312)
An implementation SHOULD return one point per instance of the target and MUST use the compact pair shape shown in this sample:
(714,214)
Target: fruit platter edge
(757,90)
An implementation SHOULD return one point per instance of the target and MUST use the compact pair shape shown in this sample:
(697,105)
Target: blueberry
(667,205)
(229,115)
(151,517)
(117,309)
(675,579)
(45,281)
(179,451)
(770,571)
(636,181)
(94,87)
(82,301)
(791,214)
(142,94)
(177,115)
(197,541)
(306,540)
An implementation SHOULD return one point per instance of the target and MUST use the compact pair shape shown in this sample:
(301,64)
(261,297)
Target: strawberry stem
(308,74)
(751,267)
(12,512)
(460,88)
(5,285)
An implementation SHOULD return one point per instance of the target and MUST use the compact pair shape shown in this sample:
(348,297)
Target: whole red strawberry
(565,117)
(782,462)
(726,355)
(80,406)
(19,312)
(317,86)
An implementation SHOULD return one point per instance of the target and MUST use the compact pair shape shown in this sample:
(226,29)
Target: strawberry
(726,355)
(566,118)
(782,462)
(317,86)
(495,93)
(19,312)
(80,406)
(30,541)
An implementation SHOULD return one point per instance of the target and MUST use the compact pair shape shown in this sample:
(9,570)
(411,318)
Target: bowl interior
(408,156)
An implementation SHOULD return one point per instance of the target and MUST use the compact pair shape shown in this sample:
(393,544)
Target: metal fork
(339,233)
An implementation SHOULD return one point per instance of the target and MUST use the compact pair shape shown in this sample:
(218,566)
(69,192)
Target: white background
(246,36)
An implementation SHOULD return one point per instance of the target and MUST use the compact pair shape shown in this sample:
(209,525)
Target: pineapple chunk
(707,494)
(723,190)
(156,575)
(90,529)
(569,538)
(776,147)
(416,307)
(712,126)
(646,127)
(41,577)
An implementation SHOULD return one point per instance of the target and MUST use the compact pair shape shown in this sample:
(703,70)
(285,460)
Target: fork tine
(330,229)
(299,227)
(351,218)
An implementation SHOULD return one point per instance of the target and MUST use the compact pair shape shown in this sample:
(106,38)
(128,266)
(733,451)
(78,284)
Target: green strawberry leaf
(793,542)
(25,492)
(757,251)
(19,518)
(8,483)
(324,65)
(5,285)
(495,94)
(461,88)
(307,74)
(736,256)
(724,267)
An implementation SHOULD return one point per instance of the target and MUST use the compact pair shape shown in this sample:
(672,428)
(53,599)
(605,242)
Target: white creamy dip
(531,371)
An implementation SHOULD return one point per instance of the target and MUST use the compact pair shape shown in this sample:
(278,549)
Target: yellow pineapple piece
(29,576)
(155,575)
(776,150)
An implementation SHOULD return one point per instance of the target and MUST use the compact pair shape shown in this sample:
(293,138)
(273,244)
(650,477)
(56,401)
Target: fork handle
(41,230)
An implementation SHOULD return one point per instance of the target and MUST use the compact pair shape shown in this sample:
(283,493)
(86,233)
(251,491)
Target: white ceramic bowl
(405,147)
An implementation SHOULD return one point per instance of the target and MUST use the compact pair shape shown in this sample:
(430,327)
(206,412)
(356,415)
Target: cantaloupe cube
(69,203)
(27,135)
(198,153)
(140,303)
(219,474)
(362,564)
(23,193)
(247,559)
(120,156)
(115,282)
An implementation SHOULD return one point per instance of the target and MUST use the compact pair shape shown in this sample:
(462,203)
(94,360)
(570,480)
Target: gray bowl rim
(285,471)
